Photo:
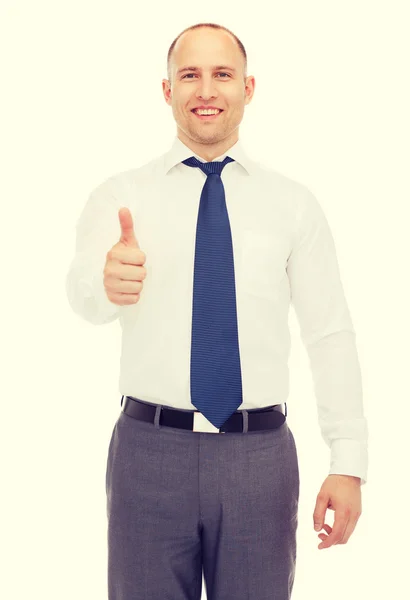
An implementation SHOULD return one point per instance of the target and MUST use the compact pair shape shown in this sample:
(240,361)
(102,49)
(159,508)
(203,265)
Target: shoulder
(120,182)
(295,193)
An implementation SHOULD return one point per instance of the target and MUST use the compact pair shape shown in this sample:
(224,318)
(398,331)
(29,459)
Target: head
(205,48)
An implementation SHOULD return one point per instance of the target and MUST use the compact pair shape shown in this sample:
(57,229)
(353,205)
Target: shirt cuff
(97,308)
(349,457)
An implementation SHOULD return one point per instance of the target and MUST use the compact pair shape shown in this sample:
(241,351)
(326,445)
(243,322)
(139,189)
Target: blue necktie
(216,380)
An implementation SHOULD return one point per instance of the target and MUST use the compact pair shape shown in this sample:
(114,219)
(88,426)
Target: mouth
(207,117)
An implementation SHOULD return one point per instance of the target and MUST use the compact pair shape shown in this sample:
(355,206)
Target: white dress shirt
(284,253)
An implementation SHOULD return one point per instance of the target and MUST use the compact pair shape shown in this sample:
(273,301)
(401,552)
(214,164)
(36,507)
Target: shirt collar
(179,152)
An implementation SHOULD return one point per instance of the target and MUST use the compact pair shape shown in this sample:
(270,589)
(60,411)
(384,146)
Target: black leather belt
(268,417)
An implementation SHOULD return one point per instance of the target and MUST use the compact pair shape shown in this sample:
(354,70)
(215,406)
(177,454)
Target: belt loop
(245,420)
(157,415)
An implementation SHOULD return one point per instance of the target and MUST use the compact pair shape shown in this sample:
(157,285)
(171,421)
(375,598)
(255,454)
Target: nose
(206,89)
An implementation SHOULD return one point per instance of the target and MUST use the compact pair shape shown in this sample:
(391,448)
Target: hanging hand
(341,493)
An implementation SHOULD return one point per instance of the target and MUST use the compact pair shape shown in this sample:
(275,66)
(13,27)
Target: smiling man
(202,469)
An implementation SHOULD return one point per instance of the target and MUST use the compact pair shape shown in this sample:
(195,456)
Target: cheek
(235,102)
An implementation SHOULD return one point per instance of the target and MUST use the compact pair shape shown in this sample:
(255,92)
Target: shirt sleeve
(97,230)
(329,337)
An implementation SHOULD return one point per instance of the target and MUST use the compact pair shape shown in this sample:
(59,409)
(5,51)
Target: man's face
(223,88)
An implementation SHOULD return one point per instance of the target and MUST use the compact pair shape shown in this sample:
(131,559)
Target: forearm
(97,231)
(337,383)
(86,293)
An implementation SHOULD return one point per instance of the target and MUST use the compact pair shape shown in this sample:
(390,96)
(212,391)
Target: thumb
(127,228)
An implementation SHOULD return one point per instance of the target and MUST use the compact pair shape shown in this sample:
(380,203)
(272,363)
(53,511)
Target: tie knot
(209,167)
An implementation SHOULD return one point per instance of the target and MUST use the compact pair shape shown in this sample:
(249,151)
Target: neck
(208,151)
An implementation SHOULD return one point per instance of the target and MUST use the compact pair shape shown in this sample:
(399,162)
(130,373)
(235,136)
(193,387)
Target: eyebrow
(217,68)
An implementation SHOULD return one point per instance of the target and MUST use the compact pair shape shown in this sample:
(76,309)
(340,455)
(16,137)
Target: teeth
(207,112)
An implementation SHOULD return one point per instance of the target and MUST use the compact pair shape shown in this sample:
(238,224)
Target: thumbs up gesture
(123,271)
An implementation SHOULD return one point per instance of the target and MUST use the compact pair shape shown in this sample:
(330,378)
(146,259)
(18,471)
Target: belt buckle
(201,423)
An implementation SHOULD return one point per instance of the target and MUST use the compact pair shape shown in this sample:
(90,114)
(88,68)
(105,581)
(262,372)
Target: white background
(82,100)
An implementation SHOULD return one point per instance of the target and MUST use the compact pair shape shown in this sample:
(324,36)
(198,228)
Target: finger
(323,536)
(339,526)
(131,272)
(327,528)
(129,256)
(322,502)
(350,527)
(343,533)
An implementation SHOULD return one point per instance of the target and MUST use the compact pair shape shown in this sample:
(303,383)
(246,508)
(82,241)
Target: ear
(166,89)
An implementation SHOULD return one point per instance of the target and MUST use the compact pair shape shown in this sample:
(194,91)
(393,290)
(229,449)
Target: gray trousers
(182,503)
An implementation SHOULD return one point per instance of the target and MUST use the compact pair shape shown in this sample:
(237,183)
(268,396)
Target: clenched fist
(123,271)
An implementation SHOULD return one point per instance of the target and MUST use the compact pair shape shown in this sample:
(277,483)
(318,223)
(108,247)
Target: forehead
(206,48)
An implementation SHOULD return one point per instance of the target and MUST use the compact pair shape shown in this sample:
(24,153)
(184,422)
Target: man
(227,245)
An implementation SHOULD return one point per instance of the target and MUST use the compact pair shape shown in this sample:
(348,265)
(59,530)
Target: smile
(207,117)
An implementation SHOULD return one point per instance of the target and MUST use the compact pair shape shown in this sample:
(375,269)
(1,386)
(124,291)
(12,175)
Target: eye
(221,73)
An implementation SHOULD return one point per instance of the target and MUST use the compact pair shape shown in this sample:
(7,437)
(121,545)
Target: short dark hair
(214,26)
